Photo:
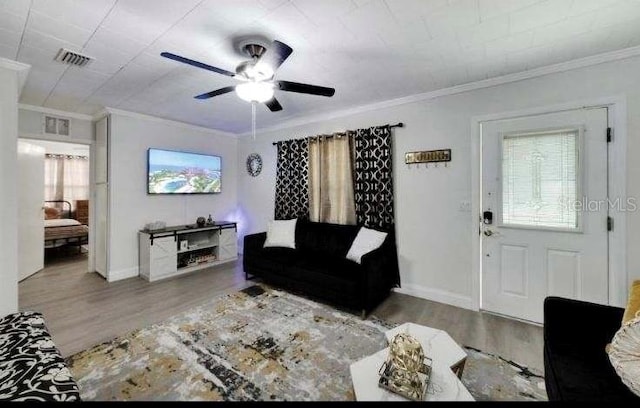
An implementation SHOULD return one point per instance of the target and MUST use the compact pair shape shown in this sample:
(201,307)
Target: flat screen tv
(172,172)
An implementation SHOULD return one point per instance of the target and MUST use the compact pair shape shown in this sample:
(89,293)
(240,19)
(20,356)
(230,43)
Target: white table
(436,344)
(446,355)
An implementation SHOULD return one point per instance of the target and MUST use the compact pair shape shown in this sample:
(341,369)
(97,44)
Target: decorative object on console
(281,234)
(210,220)
(155,226)
(428,156)
(200,222)
(366,241)
(254,164)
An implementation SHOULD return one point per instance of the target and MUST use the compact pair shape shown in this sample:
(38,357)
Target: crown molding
(471,86)
(21,68)
(55,112)
(108,111)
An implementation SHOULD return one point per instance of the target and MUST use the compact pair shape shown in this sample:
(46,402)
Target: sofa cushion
(273,259)
(281,234)
(633,303)
(325,239)
(335,274)
(366,241)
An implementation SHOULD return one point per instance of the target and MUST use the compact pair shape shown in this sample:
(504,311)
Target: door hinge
(609,135)
(609,224)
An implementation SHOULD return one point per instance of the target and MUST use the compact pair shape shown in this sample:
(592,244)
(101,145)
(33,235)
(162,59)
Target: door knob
(488,232)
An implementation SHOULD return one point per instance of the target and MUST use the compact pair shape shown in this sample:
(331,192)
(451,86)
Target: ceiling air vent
(72,58)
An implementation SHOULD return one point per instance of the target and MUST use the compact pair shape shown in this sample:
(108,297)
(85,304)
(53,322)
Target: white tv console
(177,250)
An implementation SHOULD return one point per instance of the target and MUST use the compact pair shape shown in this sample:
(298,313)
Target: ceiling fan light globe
(255,91)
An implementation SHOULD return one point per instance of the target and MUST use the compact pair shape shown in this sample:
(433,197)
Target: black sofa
(318,267)
(576,366)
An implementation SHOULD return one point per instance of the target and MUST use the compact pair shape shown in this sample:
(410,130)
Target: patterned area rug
(260,344)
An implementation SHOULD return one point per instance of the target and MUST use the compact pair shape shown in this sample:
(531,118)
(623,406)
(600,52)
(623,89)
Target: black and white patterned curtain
(373,178)
(292,180)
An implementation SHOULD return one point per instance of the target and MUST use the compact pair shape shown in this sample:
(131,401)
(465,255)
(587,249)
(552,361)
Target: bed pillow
(366,241)
(281,234)
(51,213)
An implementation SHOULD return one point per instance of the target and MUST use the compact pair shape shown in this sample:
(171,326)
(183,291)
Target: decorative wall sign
(428,156)
(254,164)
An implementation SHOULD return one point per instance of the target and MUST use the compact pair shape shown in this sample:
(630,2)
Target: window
(540,173)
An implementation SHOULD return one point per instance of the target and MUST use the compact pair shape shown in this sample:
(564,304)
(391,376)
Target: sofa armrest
(254,242)
(579,325)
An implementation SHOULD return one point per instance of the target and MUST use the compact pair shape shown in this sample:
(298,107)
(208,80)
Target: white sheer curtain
(331,194)
(66,178)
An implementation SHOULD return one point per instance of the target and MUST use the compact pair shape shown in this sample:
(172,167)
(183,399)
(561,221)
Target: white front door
(545,208)
(30,212)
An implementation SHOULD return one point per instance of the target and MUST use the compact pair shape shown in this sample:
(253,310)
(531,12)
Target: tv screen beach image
(183,173)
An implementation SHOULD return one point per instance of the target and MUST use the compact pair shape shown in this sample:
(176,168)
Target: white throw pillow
(366,241)
(281,234)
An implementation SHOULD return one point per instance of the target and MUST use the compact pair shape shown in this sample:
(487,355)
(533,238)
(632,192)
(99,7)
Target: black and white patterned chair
(31,367)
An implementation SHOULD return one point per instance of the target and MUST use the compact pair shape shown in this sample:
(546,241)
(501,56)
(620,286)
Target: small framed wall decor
(254,164)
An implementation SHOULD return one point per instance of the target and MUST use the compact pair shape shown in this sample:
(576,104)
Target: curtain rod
(399,124)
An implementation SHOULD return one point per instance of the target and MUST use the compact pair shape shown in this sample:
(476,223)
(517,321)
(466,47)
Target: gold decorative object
(407,370)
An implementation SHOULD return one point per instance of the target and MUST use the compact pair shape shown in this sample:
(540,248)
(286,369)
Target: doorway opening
(54,199)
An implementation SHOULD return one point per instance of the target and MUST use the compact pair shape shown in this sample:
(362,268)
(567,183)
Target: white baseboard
(437,295)
(113,276)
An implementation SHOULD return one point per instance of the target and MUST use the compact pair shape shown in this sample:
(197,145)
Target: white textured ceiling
(369,50)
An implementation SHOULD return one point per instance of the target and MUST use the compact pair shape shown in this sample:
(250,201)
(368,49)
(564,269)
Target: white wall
(130,206)
(8,203)
(31,125)
(434,236)
(62,148)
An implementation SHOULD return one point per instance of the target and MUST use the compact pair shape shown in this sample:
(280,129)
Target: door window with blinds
(541,180)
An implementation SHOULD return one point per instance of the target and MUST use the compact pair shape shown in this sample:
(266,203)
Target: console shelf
(177,250)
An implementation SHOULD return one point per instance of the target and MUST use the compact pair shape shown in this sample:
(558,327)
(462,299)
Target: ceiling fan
(257,75)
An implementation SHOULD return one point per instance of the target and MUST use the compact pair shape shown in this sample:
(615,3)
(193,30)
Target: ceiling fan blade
(276,54)
(217,92)
(273,105)
(305,88)
(196,64)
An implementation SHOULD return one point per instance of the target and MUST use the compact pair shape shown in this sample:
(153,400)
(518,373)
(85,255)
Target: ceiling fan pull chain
(253,119)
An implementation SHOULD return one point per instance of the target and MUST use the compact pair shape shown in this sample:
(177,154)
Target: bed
(61,229)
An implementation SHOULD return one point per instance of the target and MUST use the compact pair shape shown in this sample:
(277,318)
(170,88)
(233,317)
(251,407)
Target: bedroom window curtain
(292,184)
(331,196)
(373,177)
(66,177)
